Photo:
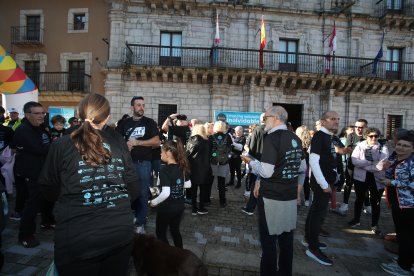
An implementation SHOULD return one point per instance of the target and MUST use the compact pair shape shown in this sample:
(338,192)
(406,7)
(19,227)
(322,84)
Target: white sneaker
(247,194)
(394,269)
(368,210)
(140,230)
(307,203)
(343,208)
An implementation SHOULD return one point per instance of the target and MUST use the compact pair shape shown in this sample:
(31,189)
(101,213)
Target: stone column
(117,19)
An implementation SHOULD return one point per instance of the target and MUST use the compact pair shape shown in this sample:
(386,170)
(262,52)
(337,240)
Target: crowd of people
(91,182)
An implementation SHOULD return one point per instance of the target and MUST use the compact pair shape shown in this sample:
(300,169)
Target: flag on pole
(217,36)
(13,80)
(379,55)
(330,51)
(262,42)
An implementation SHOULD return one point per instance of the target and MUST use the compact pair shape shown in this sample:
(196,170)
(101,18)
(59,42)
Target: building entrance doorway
(294,113)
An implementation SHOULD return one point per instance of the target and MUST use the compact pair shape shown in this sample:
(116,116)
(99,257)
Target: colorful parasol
(12,79)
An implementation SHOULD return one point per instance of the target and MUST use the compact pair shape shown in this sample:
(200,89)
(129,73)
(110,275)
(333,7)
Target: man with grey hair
(281,163)
(323,163)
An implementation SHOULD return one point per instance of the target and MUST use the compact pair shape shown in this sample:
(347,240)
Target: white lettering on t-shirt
(138,132)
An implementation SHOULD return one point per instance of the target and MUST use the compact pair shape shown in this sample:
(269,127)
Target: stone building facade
(162,50)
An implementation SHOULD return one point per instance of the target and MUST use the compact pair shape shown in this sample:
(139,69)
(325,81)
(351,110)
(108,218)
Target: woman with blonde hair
(198,154)
(220,148)
(305,136)
(91,177)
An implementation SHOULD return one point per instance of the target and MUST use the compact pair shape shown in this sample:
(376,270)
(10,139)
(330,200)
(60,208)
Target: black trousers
(235,167)
(115,262)
(221,183)
(171,219)
(316,215)
(209,185)
(252,202)
(194,191)
(34,203)
(375,198)
(21,193)
(349,182)
(270,244)
(306,188)
(405,237)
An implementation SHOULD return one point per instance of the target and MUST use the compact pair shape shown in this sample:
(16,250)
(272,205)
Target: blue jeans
(143,169)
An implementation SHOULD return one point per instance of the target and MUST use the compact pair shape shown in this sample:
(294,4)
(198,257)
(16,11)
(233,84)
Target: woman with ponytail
(170,202)
(90,175)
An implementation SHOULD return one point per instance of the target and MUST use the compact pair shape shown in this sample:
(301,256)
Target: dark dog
(153,257)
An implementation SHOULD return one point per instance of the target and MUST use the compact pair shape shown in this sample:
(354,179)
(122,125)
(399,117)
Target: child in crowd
(58,130)
(170,202)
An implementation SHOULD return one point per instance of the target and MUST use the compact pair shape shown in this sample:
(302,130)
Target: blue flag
(378,56)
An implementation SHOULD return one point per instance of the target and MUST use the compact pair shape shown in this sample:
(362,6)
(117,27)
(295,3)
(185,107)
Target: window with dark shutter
(393,122)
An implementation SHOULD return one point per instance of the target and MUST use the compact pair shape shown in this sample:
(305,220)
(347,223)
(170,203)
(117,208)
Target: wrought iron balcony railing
(232,58)
(62,81)
(402,7)
(26,35)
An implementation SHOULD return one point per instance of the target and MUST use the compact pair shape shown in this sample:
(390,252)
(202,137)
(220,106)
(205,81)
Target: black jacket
(32,144)
(93,213)
(198,153)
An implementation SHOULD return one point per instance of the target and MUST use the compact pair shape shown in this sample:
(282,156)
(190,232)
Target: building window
(393,64)
(288,55)
(76,78)
(33,27)
(169,54)
(79,21)
(165,110)
(393,122)
(394,5)
(32,70)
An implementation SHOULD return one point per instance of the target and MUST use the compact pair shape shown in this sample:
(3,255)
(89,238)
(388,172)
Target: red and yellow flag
(262,42)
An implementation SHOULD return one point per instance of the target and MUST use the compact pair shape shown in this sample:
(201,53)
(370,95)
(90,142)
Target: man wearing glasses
(351,141)
(281,163)
(31,142)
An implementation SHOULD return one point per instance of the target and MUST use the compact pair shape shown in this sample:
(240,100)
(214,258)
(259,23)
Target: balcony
(62,81)
(26,36)
(396,13)
(274,61)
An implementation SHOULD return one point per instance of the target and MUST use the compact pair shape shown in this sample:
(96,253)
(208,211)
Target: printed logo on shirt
(106,146)
(138,132)
(294,143)
(45,138)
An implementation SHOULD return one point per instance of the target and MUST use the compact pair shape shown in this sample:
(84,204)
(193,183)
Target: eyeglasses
(265,117)
(373,136)
(404,145)
(38,113)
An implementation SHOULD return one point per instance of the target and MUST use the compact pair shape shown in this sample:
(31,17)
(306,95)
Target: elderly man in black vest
(281,164)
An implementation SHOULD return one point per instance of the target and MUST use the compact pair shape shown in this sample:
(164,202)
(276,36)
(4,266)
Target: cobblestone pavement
(227,241)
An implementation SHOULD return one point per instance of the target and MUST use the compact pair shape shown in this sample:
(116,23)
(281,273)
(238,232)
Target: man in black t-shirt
(351,141)
(180,129)
(141,134)
(281,163)
(323,163)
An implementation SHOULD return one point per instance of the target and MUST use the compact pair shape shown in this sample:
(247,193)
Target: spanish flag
(262,42)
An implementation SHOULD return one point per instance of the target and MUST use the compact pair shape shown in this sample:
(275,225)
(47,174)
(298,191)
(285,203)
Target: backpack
(221,153)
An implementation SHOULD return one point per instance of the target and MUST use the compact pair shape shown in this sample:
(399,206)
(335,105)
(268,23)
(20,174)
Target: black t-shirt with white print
(322,145)
(283,149)
(142,129)
(171,176)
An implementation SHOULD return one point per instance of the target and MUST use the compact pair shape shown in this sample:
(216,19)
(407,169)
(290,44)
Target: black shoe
(47,226)
(318,256)
(203,211)
(29,242)
(247,212)
(353,223)
(194,212)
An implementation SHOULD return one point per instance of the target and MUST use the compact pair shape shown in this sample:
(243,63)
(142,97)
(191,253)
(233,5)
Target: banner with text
(234,118)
